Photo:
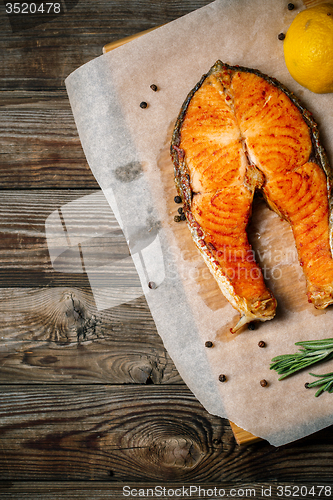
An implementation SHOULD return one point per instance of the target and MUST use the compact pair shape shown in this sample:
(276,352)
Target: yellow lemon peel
(308,48)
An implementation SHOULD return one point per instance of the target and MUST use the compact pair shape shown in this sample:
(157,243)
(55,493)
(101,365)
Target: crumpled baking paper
(127,148)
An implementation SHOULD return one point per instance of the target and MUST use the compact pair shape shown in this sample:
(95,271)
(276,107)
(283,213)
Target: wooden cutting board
(242,437)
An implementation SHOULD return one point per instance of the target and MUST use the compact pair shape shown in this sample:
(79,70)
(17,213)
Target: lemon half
(308,48)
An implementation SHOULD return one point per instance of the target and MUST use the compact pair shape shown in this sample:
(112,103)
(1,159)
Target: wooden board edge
(243,437)
(117,43)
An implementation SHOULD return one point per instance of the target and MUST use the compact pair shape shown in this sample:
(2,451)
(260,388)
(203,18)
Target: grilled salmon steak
(240,131)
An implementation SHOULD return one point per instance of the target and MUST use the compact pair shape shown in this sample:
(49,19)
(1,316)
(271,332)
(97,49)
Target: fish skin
(240,131)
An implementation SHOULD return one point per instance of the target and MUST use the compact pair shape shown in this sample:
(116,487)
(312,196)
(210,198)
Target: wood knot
(146,370)
(176,452)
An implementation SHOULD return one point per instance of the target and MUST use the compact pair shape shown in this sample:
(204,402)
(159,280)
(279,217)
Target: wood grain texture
(144,433)
(98,432)
(56,335)
(40,146)
(73,222)
(52,330)
(43,56)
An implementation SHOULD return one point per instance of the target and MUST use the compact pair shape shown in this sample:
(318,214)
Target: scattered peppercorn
(281,36)
(263,383)
(261,343)
(183,216)
(291,6)
(306,385)
(177,218)
(151,285)
(153,87)
(251,326)
(222,378)
(208,343)
(177,199)
(180,210)
(143,105)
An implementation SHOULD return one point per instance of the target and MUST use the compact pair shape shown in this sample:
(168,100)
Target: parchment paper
(127,148)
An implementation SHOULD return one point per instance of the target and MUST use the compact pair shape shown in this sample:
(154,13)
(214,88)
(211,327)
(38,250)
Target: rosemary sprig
(325,383)
(311,352)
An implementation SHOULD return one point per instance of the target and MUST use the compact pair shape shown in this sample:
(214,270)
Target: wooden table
(91,401)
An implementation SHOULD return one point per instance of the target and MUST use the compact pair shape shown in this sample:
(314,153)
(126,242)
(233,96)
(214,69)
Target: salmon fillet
(240,131)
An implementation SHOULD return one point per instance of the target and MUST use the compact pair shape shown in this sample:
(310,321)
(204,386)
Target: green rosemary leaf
(324,382)
(311,345)
(328,376)
(311,352)
(320,342)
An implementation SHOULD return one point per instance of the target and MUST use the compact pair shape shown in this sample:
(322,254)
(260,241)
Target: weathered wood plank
(99,490)
(40,147)
(54,49)
(95,363)
(76,226)
(68,316)
(139,433)
(56,325)
(56,335)
(103,432)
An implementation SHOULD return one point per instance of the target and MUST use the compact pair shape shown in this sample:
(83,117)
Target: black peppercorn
(151,285)
(306,385)
(183,216)
(180,210)
(281,36)
(263,383)
(222,378)
(177,218)
(153,87)
(291,6)
(261,343)
(251,326)
(208,343)
(143,105)
(177,199)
